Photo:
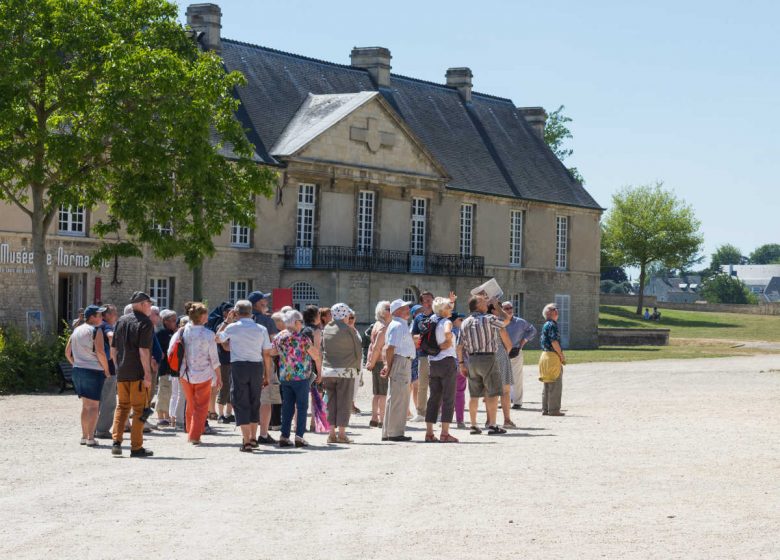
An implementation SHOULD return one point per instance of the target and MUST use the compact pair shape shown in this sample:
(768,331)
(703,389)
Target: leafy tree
(766,254)
(610,271)
(556,132)
(722,288)
(112,103)
(648,224)
(725,254)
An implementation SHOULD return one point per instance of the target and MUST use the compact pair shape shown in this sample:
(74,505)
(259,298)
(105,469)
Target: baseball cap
(254,297)
(139,297)
(91,310)
(397,304)
(415,308)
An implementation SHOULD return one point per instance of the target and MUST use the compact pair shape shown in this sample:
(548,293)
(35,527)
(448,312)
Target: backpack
(176,353)
(428,343)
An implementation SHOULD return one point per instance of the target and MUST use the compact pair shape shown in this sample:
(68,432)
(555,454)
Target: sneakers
(103,435)
(91,443)
(398,438)
(141,452)
(230,419)
(116,449)
(163,423)
(517,407)
(510,424)
(222,420)
(83,441)
(266,440)
(418,418)
(462,426)
(208,430)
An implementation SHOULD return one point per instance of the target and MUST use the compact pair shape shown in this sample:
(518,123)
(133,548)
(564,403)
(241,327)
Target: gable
(359,130)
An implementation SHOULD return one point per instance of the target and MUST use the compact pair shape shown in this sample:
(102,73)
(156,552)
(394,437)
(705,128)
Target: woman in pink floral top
(296,354)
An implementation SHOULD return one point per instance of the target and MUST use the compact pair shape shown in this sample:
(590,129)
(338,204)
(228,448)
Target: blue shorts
(415,369)
(88,383)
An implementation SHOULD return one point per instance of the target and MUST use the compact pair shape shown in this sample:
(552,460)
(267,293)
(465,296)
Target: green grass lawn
(677,350)
(697,324)
(693,334)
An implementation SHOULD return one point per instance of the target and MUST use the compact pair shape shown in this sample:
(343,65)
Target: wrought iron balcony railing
(381,260)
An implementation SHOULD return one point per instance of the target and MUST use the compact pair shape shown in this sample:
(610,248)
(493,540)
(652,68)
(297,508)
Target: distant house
(674,289)
(761,279)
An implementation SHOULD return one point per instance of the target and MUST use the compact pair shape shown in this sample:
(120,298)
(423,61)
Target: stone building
(388,185)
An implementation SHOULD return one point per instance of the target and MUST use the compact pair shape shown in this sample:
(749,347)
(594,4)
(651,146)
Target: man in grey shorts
(479,337)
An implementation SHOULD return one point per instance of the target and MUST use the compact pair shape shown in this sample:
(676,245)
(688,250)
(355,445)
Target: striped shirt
(479,333)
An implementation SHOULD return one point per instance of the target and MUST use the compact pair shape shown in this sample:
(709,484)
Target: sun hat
(341,311)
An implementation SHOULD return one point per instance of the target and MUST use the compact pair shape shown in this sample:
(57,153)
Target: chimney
(374,59)
(536,117)
(206,21)
(460,78)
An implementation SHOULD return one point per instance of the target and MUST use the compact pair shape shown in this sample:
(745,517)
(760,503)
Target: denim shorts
(88,383)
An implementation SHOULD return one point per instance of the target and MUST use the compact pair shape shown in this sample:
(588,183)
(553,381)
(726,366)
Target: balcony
(379,260)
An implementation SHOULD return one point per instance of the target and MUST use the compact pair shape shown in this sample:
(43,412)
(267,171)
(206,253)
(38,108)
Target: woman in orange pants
(200,371)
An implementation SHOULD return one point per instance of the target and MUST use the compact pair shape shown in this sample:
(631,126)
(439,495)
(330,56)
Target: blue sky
(687,93)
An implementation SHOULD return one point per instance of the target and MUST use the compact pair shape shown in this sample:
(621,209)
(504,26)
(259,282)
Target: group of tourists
(296,371)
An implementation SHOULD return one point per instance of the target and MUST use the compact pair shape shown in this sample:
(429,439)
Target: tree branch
(13,198)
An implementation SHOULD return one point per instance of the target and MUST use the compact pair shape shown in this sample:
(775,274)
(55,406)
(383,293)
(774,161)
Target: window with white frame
(163,229)
(160,289)
(418,226)
(238,289)
(561,242)
(365,221)
(411,294)
(305,218)
(518,301)
(516,238)
(466,230)
(71,220)
(304,294)
(239,235)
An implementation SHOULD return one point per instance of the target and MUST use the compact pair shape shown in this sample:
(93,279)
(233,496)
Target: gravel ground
(660,459)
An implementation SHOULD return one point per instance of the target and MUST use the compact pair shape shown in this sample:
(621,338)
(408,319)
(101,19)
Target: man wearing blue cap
(259,301)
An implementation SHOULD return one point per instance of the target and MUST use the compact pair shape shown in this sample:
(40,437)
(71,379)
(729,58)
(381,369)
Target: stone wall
(633,337)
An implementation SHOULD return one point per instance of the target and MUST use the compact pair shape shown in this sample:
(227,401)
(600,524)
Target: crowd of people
(293,371)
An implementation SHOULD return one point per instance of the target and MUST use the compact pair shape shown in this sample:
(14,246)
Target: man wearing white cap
(399,352)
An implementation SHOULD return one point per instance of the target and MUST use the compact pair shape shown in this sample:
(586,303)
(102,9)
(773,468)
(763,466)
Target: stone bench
(633,337)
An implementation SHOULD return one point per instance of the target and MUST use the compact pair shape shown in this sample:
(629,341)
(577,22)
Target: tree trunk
(641,298)
(40,226)
(197,283)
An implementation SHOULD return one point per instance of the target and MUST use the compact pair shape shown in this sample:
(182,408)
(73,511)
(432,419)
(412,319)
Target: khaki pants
(424,369)
(516,392)
(163,394)
(400,378)
(551,395)
(130,395)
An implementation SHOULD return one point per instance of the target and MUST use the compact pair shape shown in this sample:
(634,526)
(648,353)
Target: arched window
(304,294)
(411,294)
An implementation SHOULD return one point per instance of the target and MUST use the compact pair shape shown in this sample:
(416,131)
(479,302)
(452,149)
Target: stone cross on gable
(372,136)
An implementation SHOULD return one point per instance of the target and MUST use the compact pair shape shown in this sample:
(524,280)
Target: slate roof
(486,146)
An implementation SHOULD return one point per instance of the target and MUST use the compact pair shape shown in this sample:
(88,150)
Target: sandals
(447,438)
(213,416)
(495,430)
(475,431)
(246,448)
(431,438)
(253,442)
(344,439)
